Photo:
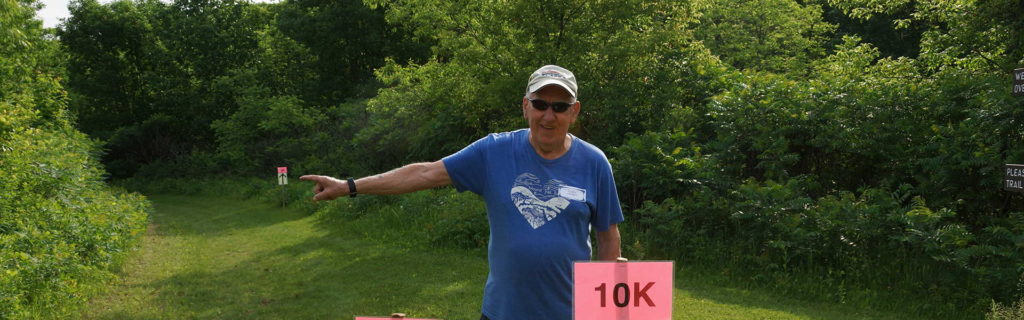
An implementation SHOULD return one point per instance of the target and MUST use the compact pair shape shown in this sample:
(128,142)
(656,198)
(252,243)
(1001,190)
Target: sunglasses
(556,107)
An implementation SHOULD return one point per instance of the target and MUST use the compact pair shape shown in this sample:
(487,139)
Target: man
(544,189)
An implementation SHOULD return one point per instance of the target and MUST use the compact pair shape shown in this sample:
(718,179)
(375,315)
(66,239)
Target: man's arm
(409,178)
(608,247)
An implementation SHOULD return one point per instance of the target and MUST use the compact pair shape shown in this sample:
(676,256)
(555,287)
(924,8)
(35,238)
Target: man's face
(548,127)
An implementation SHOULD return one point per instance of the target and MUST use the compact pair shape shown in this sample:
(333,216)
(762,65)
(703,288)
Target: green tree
(112,49)
(889,26)
(61,229)
(630,57)
(349,40)
(766,35)
(142,73)
(978,35)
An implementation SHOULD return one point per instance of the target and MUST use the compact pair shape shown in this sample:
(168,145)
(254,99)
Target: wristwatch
(351,188)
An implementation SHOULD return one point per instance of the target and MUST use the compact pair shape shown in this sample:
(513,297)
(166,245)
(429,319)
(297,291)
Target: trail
(222,258)
(206,257)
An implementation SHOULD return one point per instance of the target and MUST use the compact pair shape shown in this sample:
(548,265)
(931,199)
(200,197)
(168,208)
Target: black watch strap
(351,188)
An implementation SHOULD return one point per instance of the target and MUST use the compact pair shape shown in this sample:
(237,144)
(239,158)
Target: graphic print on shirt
(540,202)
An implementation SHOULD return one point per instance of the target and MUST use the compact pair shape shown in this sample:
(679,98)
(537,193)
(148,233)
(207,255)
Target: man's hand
(327,188)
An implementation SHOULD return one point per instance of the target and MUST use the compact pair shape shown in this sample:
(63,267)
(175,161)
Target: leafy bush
(656,166)
(829,177)
(62,230)
(1006,312)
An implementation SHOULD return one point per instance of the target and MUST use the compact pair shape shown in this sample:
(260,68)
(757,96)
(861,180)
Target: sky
(54,10)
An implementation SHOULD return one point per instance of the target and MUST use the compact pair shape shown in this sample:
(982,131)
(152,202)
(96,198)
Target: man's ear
(526,104)
(576,110)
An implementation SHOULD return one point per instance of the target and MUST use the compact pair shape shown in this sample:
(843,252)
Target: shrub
(1006,312)
(62,230)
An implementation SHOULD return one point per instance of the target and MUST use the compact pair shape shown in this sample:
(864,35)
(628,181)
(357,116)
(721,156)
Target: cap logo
(552,74)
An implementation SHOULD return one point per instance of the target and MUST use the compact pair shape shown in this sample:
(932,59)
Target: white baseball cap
(552,74)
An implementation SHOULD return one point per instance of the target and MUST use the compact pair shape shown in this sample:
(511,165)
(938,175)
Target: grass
(207,257)
(215,257)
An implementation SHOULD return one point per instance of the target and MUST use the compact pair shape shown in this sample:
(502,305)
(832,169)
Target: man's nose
(549,113)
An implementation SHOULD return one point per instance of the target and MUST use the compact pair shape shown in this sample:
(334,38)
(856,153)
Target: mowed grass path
(208,257)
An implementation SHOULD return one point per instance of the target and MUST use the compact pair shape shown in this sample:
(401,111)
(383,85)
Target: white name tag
(573,193)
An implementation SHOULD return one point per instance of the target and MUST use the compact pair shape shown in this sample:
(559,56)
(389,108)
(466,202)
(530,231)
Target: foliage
(889,26)
(856,141)
(1003,312)
(655,166)
(619,49)
(61,229)
(801,172)
(348,41)
(160,82)
(767,35)
(134,65)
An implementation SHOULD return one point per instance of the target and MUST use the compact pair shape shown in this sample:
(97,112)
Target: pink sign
(282,169)
(389,318)
(635,290)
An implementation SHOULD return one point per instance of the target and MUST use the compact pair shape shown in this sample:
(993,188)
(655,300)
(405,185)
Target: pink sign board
(282,169)
(389,318)
(635,290)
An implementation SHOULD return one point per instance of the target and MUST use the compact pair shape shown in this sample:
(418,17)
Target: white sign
(282,175)
(1018,82)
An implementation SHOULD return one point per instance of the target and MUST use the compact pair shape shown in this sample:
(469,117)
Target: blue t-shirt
(541,212)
